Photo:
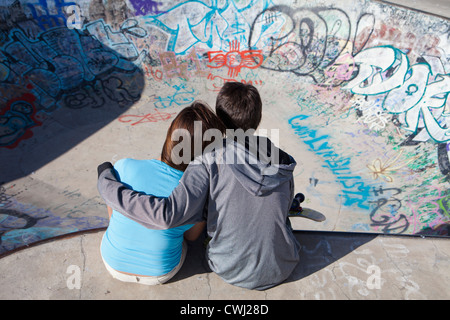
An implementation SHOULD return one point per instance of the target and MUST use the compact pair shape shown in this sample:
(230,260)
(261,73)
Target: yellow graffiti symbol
(385,170)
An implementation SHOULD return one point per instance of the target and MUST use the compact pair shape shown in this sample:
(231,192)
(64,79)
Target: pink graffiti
(342,69)
(150,117)
(217,82)
(430,214)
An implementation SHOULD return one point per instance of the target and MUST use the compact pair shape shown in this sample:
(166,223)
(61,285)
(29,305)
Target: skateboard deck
(309,214)
(297,211)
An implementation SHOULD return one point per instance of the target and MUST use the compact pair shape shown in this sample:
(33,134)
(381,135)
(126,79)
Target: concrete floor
(340,266)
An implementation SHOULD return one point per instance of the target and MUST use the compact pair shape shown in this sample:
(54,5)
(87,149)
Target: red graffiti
(156,74)
(235,59)
(16,120)
(415,45)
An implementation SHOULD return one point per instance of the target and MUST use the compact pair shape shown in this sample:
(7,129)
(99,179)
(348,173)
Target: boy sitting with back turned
(247,187)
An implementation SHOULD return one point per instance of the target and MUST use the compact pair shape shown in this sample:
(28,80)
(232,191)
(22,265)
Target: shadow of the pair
(319,250)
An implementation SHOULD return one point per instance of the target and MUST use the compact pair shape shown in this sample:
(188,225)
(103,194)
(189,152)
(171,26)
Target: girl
(130,251)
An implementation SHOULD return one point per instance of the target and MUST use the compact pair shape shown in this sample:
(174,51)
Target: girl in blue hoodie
(132,252)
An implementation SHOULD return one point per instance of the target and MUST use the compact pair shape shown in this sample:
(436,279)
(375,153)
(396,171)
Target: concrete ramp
(355,91)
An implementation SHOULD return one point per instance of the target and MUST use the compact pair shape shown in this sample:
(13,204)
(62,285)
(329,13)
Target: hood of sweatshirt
(258,164)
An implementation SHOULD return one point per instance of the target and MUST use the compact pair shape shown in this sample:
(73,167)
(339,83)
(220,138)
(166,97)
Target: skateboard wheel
(295,204)
(300,197)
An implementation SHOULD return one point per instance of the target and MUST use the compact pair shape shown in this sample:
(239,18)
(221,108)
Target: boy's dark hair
(239,106)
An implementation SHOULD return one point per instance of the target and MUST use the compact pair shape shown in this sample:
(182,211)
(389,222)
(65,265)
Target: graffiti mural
(302,41)
(235,59)
(416,92)
(64,68)
(360,87)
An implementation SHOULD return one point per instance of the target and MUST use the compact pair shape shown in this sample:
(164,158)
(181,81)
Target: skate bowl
(355,91)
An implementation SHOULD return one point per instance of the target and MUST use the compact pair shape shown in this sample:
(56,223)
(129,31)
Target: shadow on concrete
(319,249)
(58,87)
(195,262)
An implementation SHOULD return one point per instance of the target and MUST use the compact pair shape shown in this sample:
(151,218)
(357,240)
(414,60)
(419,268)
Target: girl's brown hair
(197,111)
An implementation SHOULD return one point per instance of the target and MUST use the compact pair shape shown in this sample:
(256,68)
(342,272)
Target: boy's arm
(183,206)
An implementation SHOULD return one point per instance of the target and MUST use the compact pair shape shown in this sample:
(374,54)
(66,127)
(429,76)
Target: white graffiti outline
(410,90)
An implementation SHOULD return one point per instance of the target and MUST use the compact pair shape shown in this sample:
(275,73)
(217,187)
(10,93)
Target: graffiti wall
(357,89)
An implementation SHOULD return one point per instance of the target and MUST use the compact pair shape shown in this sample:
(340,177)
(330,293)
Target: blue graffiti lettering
(355,191)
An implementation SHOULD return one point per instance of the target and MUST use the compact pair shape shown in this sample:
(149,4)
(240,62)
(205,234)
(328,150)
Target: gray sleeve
(184,206)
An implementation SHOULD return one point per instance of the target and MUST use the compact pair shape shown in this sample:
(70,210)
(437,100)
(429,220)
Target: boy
(247,195)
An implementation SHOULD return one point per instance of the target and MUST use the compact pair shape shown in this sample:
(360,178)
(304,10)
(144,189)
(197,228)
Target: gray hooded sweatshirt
(247,199)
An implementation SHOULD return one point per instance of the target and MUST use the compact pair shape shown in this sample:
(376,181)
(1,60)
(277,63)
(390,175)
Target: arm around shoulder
(183,206)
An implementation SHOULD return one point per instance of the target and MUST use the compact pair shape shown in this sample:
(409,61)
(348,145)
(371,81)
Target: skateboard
(297,211)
